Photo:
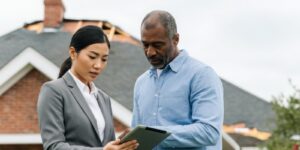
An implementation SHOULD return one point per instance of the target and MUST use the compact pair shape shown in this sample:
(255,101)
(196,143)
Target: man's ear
(176,39)
(72,53)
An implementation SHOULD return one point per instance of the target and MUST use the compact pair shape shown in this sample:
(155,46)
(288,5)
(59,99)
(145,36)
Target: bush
(287,122)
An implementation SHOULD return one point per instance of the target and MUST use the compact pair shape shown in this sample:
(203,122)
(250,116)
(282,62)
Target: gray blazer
(65,119)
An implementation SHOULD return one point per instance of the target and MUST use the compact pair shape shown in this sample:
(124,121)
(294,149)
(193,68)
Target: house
(248,119)
(32,55)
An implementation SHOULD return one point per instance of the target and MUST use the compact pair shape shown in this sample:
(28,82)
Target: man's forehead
(152,25)
(152,21)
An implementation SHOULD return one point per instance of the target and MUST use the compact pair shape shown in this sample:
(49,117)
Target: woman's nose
(98,64)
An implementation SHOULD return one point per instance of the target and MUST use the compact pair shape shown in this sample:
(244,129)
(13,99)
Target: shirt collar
(83,87)
(175,64)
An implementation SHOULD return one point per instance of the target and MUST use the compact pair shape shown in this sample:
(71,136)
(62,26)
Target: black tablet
(147,137)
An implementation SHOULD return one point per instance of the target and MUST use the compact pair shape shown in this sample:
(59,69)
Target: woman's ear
(72,53)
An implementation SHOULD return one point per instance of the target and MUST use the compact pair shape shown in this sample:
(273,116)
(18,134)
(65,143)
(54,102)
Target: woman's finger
(128,144)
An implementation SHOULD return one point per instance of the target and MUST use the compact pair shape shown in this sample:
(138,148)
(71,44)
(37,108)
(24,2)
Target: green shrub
(287,111)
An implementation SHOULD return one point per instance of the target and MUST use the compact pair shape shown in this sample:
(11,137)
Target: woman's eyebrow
(94,53)
(97,54)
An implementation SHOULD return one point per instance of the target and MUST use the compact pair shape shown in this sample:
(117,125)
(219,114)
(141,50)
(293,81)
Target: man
(178,93)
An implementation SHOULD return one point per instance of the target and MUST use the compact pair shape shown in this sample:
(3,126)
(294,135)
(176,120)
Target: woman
(73,113)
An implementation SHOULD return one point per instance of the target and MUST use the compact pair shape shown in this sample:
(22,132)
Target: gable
(22,64)
(18,104)
(28,59)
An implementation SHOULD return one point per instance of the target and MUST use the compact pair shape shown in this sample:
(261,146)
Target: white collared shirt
(91,99)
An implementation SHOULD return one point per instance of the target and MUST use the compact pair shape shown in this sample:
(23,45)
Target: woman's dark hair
(82,38)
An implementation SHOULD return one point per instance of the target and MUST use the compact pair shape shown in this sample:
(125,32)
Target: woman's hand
(115,145)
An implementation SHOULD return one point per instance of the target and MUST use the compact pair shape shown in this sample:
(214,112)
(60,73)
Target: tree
(287,111)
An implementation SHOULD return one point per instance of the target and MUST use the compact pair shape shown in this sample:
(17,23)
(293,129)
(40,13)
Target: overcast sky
(254,44)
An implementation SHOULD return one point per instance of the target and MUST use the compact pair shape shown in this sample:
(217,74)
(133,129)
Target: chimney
(54,14)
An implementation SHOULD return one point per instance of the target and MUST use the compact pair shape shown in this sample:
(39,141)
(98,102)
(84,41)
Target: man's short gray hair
(166,20)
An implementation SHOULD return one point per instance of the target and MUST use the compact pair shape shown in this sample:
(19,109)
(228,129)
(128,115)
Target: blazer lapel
(81,101)
(105,113)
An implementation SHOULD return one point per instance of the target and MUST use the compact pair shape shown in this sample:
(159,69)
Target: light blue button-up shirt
(186,100)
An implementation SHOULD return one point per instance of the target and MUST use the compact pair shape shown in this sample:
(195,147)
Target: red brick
(18,105)
(21,147)
(18,112)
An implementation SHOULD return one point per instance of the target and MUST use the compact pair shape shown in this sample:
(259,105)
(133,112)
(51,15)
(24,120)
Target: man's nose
(151,51)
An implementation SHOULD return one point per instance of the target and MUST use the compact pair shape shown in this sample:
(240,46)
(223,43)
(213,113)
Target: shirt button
(156,95)
(154,114)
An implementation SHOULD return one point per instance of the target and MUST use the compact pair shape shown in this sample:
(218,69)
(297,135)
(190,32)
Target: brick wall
(18,109)
(119,127)
(18,105)
(21,147)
